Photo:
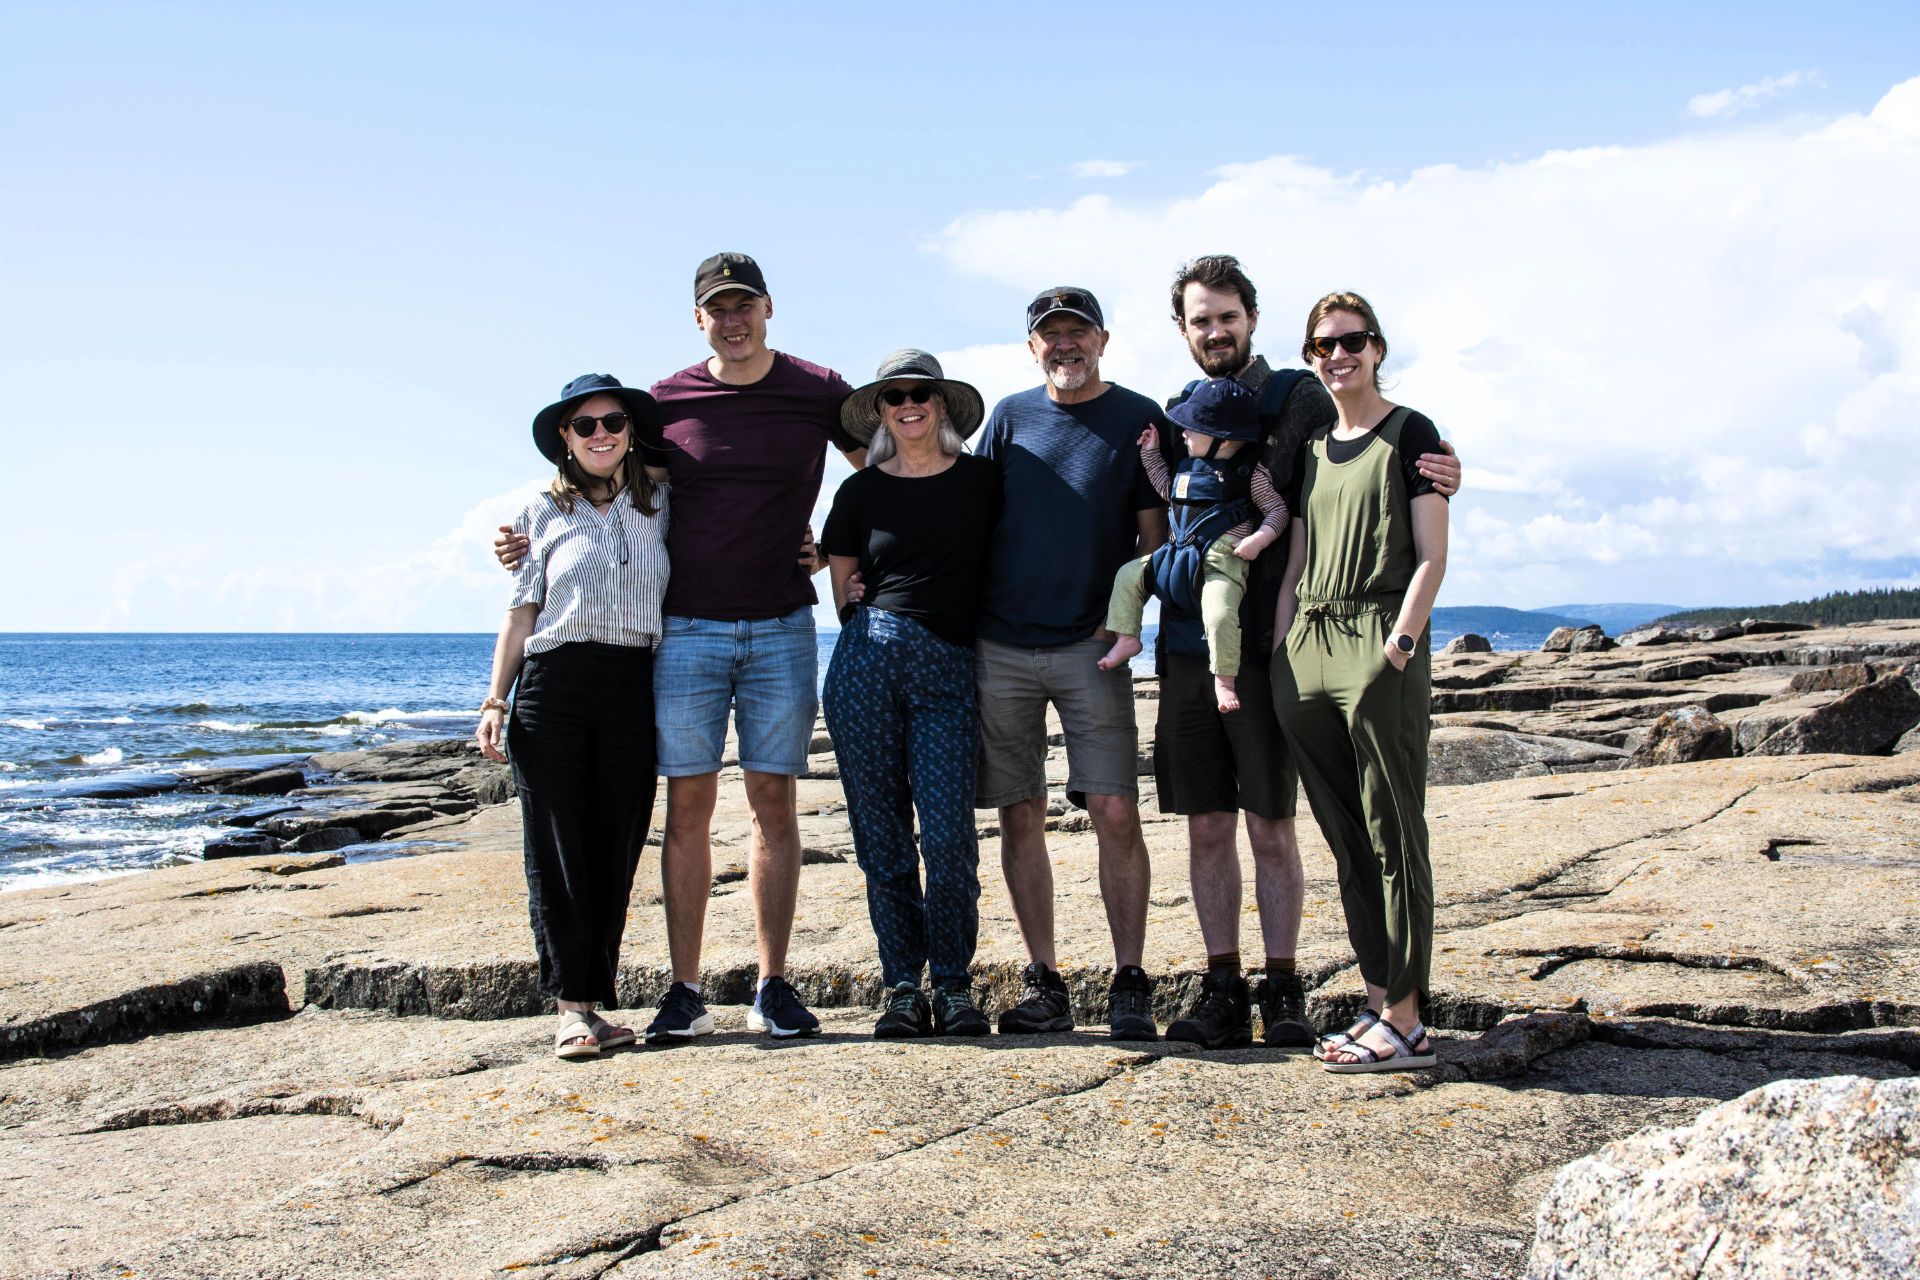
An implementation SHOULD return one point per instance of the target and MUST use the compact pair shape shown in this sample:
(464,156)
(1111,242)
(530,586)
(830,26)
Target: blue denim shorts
(766,670)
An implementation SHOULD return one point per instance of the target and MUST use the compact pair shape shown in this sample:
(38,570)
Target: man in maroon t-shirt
(750,428)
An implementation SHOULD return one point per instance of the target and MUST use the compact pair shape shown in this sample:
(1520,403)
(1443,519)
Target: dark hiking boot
(1223,1019)
(1283,1011)
(1043,1004)
(955,1013)
(1130,1005)
(907,1015)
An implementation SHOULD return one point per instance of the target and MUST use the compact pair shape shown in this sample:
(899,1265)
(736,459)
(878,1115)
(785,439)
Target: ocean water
(79,713)
(82,713)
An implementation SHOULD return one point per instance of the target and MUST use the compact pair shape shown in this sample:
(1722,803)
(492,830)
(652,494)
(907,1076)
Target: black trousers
(581,743)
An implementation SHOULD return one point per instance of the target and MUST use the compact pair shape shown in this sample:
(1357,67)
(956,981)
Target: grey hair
(882,447)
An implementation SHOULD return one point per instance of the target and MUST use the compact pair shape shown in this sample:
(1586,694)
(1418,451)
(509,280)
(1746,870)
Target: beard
(1070,377)
(1220,361)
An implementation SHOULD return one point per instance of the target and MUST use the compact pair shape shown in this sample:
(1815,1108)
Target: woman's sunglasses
(583,426)
(1351,343)
(897,396)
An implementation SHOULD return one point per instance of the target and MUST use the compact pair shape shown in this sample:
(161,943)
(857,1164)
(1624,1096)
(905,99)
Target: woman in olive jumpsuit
(1351,680)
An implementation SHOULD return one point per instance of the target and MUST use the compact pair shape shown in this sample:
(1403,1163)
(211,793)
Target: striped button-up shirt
(596,575)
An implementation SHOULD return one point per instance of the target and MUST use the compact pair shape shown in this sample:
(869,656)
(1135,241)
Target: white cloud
(1102,168)
(1687,370)
(454,584)
(1731,102)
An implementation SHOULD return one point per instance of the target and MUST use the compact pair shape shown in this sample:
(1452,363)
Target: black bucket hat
(641,407)
(860,412)
(1223,408)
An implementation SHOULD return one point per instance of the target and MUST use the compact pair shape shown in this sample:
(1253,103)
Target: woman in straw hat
(576,651)
(899,696)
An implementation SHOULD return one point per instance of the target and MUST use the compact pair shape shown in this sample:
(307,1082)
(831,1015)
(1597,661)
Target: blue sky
(284,284)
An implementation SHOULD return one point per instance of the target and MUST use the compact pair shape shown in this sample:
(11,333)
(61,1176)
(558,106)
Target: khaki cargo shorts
(1096,716)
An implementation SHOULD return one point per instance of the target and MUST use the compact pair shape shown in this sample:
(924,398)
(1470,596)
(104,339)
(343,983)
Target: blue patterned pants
(900,705)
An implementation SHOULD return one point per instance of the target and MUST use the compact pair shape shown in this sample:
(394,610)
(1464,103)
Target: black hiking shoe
(1043,1004)
(955,1013)
(907,1015)
(1130,1005)
(1223,1019)
(683,1015)
(1283,1011)
(778,1009)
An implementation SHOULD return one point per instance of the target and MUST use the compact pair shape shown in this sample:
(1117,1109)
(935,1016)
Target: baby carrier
(1208,499)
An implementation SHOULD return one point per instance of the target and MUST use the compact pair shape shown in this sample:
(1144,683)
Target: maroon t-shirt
(745,477)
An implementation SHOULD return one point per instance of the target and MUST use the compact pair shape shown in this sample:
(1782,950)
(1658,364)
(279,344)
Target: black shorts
(1206,762)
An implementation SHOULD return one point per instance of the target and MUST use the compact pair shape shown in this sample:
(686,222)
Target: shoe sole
(1242,1039)
(700,1026)
(963,1032)
(756,1021)
(1133,1033)
(1051,1025)
(1300,1039)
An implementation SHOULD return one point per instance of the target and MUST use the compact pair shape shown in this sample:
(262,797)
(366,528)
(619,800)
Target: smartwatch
(1403,642)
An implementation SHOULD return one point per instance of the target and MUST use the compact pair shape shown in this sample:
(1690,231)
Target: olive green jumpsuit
(1357,726)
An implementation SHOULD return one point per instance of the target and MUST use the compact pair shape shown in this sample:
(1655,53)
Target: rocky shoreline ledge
(1670,874)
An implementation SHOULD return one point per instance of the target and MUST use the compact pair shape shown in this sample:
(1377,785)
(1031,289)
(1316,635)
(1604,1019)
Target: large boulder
(1655,633)
(1459,755)
(1468,642)
(1711,634)
(1860,722)
(1771,627)
(1801,1178)
(1591,640)
(1682,735)
(1588,639)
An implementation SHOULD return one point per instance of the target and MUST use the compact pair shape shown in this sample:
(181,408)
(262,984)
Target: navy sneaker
(955,1013)
(907,1015)
(778,1009)
(1043,1004)
(683,1015)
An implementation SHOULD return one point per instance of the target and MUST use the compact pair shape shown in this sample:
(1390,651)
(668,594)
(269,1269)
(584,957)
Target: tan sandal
(609,1035)
(574,1037)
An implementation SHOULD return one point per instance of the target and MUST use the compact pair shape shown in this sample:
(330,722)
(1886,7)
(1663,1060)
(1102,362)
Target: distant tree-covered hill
(1612,618)
(1486,619)
(1840,607)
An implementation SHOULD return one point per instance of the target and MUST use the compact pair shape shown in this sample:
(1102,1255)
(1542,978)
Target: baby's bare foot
(1122,653)
(1224,695)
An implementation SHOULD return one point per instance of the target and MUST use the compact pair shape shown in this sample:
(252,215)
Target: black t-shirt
(1418,435)
(922,541)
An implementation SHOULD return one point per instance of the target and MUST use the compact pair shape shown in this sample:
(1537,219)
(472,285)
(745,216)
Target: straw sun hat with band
(860,412)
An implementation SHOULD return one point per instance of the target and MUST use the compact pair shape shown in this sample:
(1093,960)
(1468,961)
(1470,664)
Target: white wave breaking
(34,725)
(228,726)
(112,755)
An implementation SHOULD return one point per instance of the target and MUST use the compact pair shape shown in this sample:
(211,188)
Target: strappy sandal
(609,1035)
(1401,1057)
(574,1037)
(1341,1039)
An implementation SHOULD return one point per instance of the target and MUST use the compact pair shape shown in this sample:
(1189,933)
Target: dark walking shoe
(1223,1019)
(907,1015)
(778,1009)
(1283,1011)
(1130,1005)
(683,1015)
(1043,1004)
(955,1013)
